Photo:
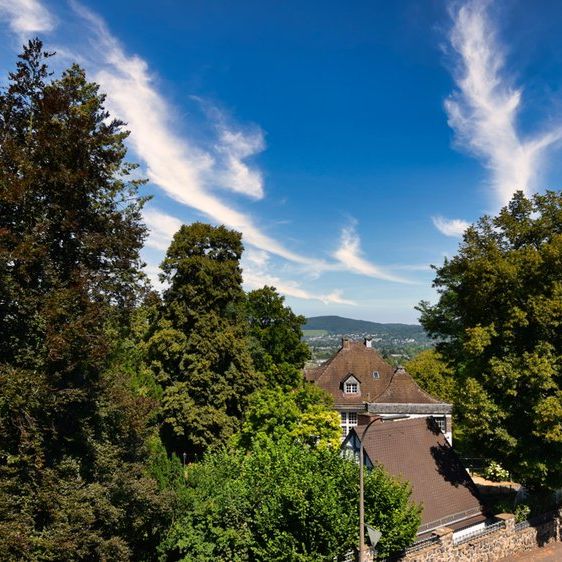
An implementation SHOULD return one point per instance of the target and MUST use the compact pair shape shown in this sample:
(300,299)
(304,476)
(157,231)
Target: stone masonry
(501,540)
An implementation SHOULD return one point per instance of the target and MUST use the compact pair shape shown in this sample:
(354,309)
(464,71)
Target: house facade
(360,381)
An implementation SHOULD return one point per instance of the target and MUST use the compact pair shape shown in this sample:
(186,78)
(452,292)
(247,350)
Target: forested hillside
(340,325)
(397,343)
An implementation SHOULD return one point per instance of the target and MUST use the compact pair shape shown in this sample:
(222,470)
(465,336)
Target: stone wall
(500,540)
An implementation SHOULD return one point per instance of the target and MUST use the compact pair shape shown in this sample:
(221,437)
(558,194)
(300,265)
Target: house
(415,450)
(360,380)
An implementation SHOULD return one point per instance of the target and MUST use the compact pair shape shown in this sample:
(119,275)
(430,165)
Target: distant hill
(340,325)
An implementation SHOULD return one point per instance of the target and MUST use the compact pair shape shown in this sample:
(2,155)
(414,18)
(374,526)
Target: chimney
(400,370)
(369,342)
(345,343)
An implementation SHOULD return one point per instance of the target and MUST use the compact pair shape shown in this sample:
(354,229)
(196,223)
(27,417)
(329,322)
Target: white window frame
(351,388)
(441,422)
(348,420)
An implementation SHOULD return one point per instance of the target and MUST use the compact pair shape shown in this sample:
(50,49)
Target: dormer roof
(351,378)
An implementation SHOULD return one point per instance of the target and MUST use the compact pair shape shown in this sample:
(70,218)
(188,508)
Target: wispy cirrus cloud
(349,255)
(450,227)
(186,172)
(162,228)
(256,274)
(483,111)
(237,175)
(26,16)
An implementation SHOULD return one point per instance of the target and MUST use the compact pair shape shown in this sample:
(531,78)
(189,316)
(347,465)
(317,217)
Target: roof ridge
(411,380)
(386,387)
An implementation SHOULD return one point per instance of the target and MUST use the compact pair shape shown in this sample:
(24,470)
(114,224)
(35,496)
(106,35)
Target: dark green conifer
(199,349)
(72,484)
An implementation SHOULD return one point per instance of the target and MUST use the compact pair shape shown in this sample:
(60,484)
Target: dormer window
(376,375)
(350,385)
(351,388)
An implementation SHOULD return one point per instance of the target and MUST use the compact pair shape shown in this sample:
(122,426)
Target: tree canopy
(278,350)
(285,501)
(499,315)
(72,482)
(305,415)
(199,347)
(433,374)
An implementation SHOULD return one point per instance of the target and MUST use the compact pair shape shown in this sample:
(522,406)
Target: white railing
(479,532)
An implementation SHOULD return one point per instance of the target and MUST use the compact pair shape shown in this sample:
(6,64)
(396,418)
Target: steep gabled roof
(362,361)
(415,450)
(403,389)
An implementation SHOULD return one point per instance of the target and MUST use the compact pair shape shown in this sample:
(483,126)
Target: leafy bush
(495,472)
(285,501)
(522,512)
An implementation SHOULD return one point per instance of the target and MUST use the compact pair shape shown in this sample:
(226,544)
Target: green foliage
(72,481)
(276,330)
(432,374)
(522,513)
(305,415)
(198,348)
(284,501)
(499,316)
(495,472)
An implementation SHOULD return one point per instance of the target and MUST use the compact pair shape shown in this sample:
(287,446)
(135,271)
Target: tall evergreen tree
(72,486)
(199,348)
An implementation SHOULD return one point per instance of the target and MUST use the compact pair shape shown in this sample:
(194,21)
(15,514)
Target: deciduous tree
(285,501)
(433,374)
(278,350)
(499,315)
(305,414)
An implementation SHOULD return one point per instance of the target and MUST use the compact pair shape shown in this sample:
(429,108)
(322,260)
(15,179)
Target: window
(376,375)
(351,388)
(441,422)
(348,420)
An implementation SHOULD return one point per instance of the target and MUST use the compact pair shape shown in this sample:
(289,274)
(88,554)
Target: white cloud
(153,272)
(484,109)
(450,227)
(26,16)
(235,147)
(256,280)
(256,274)
(350,256)
(183,169)
(178,167)
(162,228)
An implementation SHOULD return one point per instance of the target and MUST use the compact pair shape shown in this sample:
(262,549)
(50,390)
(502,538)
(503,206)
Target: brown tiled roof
(361,361)
(415,450)
(404,390)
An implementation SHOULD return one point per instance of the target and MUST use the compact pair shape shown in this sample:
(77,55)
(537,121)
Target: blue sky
(350,142)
